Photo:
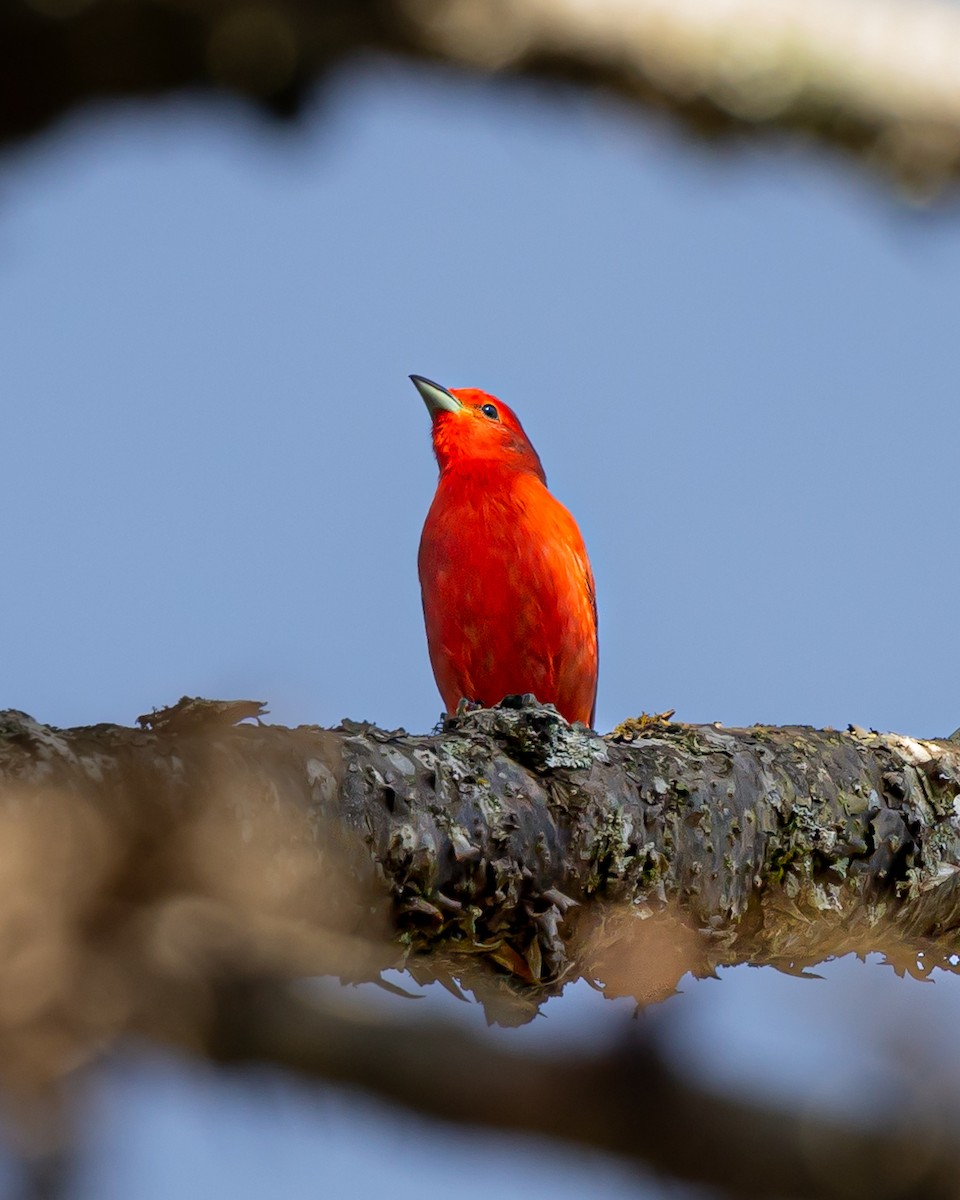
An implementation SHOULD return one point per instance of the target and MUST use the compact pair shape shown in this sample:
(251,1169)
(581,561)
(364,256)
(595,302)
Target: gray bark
(532,850)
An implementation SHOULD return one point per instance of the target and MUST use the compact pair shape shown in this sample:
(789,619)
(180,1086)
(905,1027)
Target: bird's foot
(526,700)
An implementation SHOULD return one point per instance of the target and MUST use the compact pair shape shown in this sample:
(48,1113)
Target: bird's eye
(490,410)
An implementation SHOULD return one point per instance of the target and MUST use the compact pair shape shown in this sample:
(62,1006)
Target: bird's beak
(436,398)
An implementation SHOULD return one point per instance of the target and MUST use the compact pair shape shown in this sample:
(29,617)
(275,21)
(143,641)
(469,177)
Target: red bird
(508,595)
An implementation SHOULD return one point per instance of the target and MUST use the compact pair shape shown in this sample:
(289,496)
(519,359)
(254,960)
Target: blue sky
(738,367)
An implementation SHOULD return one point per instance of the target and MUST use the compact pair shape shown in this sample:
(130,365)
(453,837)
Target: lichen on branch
(508,851)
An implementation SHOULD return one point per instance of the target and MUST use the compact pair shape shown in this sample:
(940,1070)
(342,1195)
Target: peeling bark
(516,851)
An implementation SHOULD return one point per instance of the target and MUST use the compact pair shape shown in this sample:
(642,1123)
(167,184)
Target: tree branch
(873,77)
(515,839)
(626,1100)
(167,881)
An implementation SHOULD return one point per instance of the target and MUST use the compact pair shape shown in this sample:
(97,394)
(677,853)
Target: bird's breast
(503,567)
(508,595)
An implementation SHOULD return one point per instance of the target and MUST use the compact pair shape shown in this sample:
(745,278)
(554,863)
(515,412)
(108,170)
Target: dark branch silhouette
(873,77)
(627,1100)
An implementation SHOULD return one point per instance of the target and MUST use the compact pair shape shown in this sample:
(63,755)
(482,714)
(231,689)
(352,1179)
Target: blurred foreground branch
(874,77)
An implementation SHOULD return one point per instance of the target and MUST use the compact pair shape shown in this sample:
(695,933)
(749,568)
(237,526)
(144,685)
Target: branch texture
(170,881)
(513,838)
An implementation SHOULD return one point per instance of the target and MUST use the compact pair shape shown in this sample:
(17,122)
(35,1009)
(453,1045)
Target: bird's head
(470,426)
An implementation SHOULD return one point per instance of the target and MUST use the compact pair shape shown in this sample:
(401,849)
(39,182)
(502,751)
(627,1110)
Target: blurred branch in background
(170,881)
(626,1100)
(876,78)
